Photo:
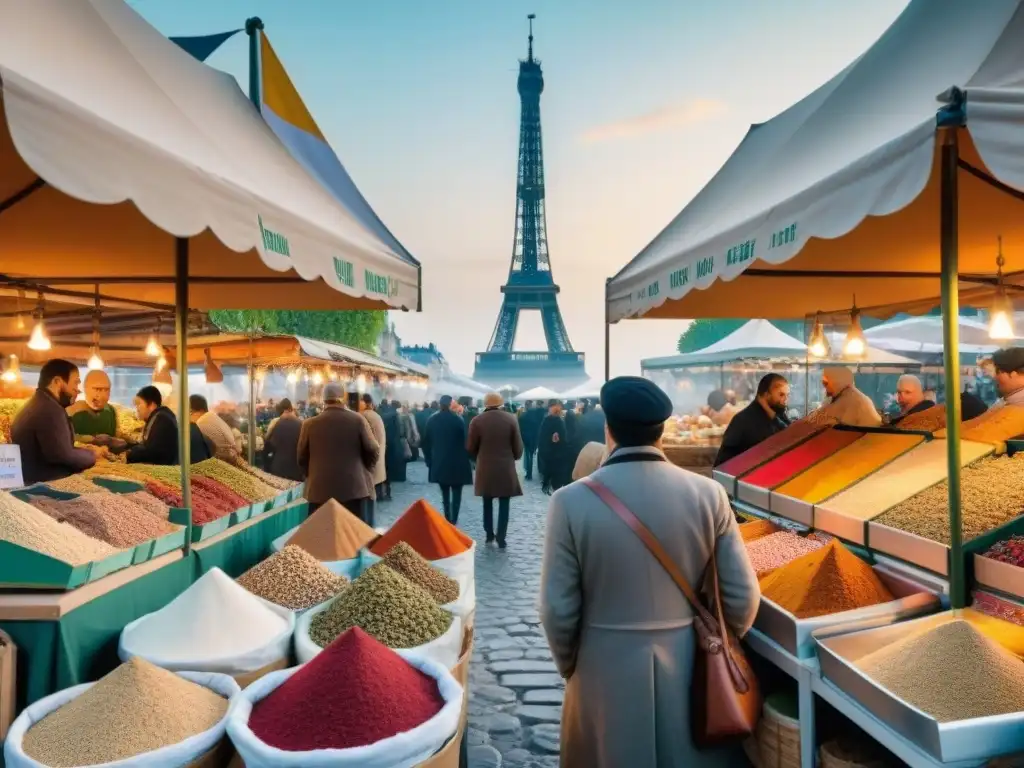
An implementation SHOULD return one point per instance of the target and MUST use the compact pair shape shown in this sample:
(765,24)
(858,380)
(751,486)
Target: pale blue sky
(643,101)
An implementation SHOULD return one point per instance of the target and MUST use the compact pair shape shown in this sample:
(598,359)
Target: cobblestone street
(515,700)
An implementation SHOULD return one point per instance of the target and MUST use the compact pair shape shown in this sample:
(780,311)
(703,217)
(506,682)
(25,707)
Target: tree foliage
(355,328)
(701,333)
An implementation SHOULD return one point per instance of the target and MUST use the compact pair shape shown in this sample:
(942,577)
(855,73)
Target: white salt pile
(214,618)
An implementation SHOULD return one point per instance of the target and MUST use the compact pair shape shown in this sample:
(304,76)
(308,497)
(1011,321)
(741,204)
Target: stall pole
(949,246)
(252,405)
(181,341)
(607,334)
(252,29)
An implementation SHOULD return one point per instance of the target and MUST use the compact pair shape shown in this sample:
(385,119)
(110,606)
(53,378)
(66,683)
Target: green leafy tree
(701,333)
(355,328)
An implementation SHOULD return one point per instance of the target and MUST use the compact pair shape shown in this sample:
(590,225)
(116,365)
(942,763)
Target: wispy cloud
(675,116)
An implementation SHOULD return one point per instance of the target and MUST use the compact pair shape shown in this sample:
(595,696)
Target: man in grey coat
(618,626)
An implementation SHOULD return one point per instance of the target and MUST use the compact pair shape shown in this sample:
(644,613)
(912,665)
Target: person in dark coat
(592,424)
(553,450)
(765,416)
(160,435)
(529,427)
(280,448)
(494,441)
(573,434)
(422,415)
(444,450)
(43,430)
(394,461)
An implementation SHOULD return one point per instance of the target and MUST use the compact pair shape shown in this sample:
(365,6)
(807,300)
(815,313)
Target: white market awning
(754,340)
(589,389)
(537,393)
(853,164)
(928,331)
(117,142)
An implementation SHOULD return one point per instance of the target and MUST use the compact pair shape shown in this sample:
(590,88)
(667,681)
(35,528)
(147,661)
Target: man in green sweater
(94,415)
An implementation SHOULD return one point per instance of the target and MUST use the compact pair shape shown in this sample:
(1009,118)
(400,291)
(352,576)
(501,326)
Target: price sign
(10,467)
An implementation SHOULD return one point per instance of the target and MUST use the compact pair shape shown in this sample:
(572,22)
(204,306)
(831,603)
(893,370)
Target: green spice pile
(992,493)
(293,578)
(108,517)
(386,605)
(137,708)
(280,483)
(978,678)
(27,527)
(242,483)
(408,562)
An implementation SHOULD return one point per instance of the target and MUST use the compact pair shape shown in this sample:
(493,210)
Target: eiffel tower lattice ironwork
(530,284)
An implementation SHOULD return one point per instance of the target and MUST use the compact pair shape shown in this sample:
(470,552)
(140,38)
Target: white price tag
(10,466)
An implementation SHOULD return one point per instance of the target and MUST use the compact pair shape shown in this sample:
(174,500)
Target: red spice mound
(224,494)
(355,693)
(424,529)
(207,506)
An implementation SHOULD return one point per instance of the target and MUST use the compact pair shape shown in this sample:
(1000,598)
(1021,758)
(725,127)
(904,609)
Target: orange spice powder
(758,528)
(424,529)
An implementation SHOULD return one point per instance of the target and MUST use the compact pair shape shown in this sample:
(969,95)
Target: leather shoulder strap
(650,541)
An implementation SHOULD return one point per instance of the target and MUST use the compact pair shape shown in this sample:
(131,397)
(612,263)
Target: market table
(695,458)
(240,547)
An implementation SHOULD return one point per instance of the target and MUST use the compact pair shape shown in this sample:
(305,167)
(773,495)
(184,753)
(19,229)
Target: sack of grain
(177,755)
(444,649)
(404,750)
(465,606)
(347,568)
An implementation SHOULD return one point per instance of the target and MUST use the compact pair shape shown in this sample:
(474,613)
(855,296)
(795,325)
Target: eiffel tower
(530,285)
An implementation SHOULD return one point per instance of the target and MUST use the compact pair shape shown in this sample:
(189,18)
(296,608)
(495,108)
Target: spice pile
(1009,551)
(388,606)
(278,483)
(214,618)
(992,493)
(426,531)
(407,562)
(79,484)
(137,708)
(109,517)
(332,533)
(951,672)
(776,549)
(996,425)
(756,529)
(928,420)
(27,527)
(829,580)
(206,507)
(292,578)
(845,467)
(150,503)
(800,458)
(770,448)
(356,693)
(245,485)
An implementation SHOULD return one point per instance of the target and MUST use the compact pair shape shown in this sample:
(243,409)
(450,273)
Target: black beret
(1009,359)
(632,400)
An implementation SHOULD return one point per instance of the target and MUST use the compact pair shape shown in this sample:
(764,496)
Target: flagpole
(253,26)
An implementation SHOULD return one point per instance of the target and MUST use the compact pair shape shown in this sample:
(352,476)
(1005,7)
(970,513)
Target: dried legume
(75,484)
(294,579)
(776,549)
(386,605)
(108,517)
(278,483)
(952,672)
(137,708)
(27,527)
(240,482)
(410,564)
(150,503)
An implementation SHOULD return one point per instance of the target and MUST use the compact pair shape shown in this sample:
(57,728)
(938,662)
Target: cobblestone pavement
(515,703)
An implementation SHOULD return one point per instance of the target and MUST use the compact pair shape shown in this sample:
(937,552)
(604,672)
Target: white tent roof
(756,339)
(588,389)
(862,145)
(928,331)
(105,109)
(537,393)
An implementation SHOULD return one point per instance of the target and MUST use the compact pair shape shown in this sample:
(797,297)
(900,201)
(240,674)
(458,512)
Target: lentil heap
(800,458)
(242,483)
(357,692)
(829,580)
(996,425)
(407,562)
(150,503)
(27,527)
(979,678)
(388,606)
(135,709)
(426,531)
(108,517)
(292,578)
(775,550)
(755,529)
(992,493)
(75,484)
(213,618)
(332,533)
(928,420)
(768,449)
(279,483)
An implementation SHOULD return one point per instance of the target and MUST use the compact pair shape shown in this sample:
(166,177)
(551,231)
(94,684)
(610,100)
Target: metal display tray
(791,508)
(725,480)
(850,529)
(795,635)
(976,739)
(915,549)
(753,494)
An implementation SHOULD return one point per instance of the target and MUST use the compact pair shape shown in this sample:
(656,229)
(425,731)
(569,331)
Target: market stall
(870,196)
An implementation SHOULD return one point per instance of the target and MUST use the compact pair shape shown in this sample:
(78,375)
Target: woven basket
(848,754)
(778,733)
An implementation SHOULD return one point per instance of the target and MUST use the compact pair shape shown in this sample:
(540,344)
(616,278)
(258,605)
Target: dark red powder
(355,693)
(765,451)
(207,506)
(793,462)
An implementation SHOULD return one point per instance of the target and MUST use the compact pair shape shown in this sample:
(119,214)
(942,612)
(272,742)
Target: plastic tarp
(839,194)
(139,144)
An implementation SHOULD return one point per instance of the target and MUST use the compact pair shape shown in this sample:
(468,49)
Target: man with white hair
(910,396)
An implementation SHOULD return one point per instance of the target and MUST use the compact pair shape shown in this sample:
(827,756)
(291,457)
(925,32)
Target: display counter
(695,458)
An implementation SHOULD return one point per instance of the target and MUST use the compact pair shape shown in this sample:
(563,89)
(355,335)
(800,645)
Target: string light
(38,340)
(95,361)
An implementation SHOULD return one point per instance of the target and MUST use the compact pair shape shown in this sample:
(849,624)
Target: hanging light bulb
(12,374)
(95,361)
(293,377)
(318,378)
(818,343)
(152,346)
(1000,316)
(855,345)
(38,340)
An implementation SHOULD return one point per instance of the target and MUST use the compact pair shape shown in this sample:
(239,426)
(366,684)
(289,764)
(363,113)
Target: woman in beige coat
(619,628)
(377,427)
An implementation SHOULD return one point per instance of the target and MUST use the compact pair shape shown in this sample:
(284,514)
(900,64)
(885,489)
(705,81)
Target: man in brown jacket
(337,453)
(494,441)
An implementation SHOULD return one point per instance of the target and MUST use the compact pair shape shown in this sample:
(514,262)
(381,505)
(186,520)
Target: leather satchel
(725,699)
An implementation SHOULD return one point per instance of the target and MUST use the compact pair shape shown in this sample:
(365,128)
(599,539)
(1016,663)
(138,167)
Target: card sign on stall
(10,467)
